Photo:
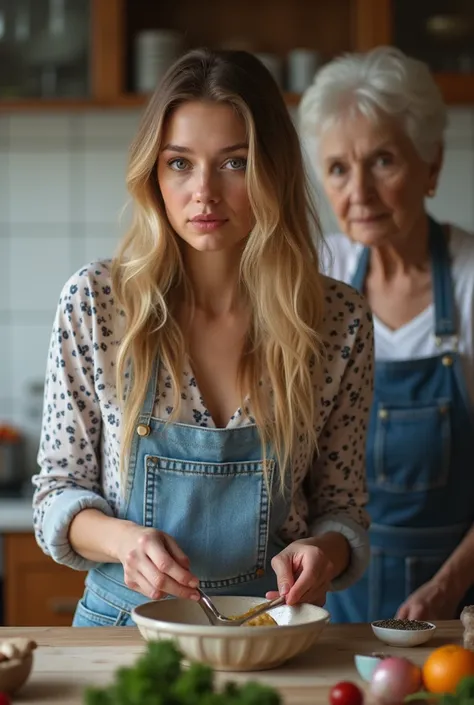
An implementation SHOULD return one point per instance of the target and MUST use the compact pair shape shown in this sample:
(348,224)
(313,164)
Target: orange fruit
(446,666)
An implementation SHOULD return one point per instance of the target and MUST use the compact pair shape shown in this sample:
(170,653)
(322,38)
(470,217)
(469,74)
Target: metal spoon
(218,620)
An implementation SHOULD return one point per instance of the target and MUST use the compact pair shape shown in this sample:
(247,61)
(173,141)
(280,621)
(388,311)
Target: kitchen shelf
(457,88)
(49,105)
(333,26)
(126,100)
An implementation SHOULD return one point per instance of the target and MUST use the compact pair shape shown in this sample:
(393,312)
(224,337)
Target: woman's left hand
(433,600)
(304,574)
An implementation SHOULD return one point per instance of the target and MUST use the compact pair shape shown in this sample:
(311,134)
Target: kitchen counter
(16,515)
(89,656)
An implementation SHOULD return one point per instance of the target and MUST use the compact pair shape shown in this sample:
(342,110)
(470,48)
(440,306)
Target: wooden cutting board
(67,660)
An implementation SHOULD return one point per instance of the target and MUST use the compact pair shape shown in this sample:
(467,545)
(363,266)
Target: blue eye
(336,169)
(178,164)
(384,160)
(236,163)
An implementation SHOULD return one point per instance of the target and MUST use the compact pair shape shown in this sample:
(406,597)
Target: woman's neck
(214,278)
(408,254)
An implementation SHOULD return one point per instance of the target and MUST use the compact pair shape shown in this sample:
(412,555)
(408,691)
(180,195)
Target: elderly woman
(374,124)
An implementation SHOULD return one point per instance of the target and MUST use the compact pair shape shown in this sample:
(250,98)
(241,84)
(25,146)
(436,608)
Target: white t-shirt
(416,339)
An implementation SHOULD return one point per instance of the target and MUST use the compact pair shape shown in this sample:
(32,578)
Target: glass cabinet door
(45,49)
(440,32)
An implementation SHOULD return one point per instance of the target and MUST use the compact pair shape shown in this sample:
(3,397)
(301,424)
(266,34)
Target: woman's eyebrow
(186,150)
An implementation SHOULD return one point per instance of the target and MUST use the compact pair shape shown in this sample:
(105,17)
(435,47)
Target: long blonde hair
(279,267)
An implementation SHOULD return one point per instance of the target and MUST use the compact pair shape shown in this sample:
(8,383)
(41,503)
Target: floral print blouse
(80,442)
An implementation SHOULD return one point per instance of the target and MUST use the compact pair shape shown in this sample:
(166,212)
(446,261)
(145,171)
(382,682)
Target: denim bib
(205,487)
(420,447)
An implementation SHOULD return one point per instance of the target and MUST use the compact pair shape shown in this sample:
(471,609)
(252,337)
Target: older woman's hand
(433,600)
(304,574)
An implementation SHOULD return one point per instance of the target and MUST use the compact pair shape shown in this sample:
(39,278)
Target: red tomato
(4,699)
(346,693)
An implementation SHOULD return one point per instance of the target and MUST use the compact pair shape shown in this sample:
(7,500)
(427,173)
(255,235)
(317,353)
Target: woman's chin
(212,242)
(373,234)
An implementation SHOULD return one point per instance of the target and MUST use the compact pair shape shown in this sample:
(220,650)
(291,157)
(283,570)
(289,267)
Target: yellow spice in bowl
(263,620)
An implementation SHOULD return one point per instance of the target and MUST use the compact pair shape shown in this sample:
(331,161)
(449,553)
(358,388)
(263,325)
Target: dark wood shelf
(457,88)
(126,100)
(37,104)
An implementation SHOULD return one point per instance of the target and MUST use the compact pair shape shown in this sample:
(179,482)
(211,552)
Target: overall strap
(358,278)
(149,401)
(142,430)
(445,308)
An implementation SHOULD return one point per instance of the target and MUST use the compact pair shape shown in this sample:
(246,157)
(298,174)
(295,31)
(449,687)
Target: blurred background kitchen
(74,77)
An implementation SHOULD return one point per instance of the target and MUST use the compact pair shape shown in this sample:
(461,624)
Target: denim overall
(204,487)
(420,447)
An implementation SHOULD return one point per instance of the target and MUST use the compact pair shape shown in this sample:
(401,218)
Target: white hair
(381,82)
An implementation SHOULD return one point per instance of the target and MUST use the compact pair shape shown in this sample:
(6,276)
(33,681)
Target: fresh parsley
(158,678)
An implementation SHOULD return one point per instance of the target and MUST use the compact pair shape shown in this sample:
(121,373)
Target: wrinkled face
(201,174)
(374,179)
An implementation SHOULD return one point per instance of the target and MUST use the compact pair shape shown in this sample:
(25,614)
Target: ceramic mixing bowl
(244,648)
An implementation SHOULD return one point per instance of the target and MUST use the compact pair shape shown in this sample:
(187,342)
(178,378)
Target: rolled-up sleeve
(337,481)
(69,479)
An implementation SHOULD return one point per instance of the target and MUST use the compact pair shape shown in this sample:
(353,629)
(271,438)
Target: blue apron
(204,487)
(420,447)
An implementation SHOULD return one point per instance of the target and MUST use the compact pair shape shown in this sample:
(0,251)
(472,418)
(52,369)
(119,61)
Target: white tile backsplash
(4,187)
(35,285)
(110,130)
(97,247)
(29,351)
(40,187)
(460,130)
(7,410)
(4,130)
(62,194)
(6,391)
(454,200)
(4,275)
(104,186)
(45,133)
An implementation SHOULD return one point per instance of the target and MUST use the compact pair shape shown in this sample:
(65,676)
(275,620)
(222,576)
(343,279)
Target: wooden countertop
(89,656)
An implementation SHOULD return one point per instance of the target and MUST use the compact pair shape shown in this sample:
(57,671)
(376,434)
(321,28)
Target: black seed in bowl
(409,625)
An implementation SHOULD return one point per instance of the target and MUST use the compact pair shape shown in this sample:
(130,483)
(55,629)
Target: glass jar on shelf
(45,45)
(440,32)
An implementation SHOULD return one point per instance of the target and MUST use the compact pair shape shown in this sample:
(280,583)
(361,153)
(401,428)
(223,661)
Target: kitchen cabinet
(60,54)
(270,26)
(37,592)
(438,31)
(45,48)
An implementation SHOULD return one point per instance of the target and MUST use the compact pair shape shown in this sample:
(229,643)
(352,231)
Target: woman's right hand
(155,565)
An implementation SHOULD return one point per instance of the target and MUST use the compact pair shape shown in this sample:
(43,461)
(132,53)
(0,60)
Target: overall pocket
(95,611)
(412,446)
(419,569)
(218,513)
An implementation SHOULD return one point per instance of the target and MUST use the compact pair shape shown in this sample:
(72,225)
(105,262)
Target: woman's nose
(361,186)
(206,188)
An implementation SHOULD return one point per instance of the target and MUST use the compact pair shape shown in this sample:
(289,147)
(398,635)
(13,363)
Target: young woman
(208,390)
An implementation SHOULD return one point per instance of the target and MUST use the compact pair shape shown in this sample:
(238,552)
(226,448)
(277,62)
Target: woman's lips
(370,219)
(207,225)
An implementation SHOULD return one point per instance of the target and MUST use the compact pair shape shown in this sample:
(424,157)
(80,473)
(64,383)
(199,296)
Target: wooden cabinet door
(38,591)
(107,49)
(372,23)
